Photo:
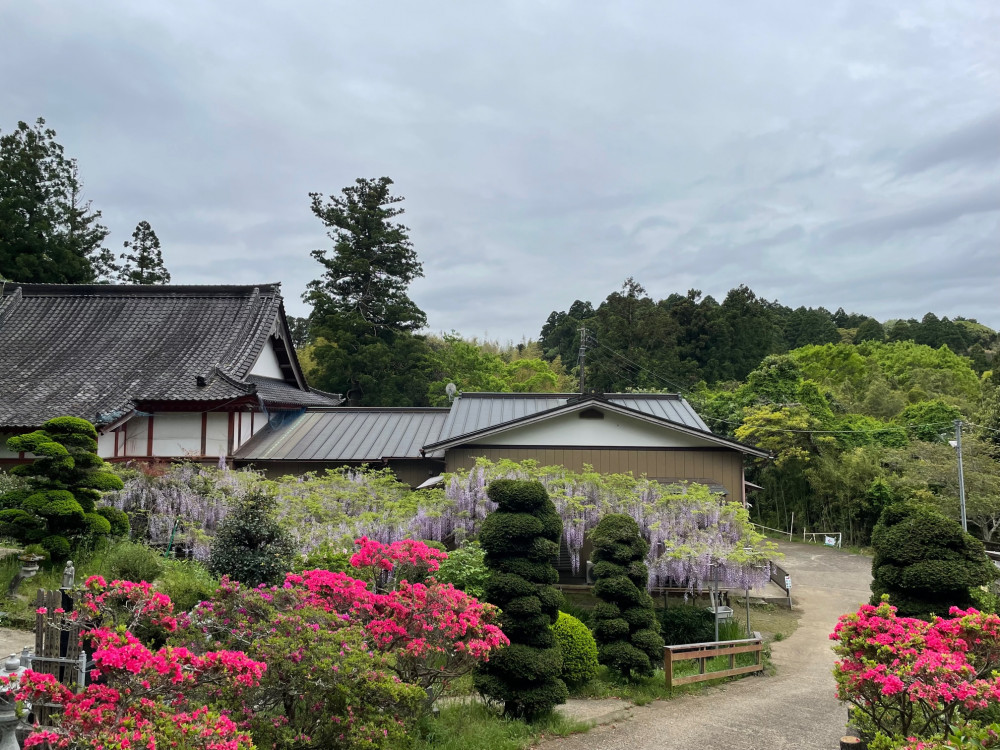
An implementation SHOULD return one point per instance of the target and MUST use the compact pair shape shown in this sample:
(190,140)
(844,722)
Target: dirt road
(794,710)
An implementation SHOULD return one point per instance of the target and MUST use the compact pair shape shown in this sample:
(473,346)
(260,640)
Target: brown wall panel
(724,467)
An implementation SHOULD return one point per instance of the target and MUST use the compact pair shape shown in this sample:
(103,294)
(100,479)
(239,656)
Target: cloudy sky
(837,153)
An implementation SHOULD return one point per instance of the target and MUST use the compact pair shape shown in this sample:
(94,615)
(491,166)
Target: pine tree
(48,232)
(58,505)
(143,260)
(361,302)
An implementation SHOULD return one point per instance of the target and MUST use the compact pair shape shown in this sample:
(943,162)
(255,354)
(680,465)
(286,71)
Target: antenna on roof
(451,390)
(583,359)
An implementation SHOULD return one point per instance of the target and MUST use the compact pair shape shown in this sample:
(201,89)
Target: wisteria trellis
(695,538)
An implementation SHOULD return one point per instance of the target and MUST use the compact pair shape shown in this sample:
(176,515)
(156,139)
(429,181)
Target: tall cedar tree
(925,562)
(48,233)
(143,259)
(624,622)
(520,538)
(363,320)
(64,482)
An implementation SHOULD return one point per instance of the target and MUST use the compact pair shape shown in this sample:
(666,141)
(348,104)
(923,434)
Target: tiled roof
(94,350)
(348,434)
(471,412)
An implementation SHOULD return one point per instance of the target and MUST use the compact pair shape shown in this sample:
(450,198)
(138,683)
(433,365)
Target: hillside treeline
(634,341)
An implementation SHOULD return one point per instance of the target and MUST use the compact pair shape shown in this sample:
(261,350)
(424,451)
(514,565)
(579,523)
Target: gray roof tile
(94,350)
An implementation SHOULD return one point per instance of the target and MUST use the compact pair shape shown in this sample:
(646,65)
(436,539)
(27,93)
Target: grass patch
(474,725)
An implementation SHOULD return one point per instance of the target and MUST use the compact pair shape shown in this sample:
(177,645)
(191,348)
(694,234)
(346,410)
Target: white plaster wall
(267,363)
(217,434)
(177,434)
(615,430)
(136,436)
(106,444)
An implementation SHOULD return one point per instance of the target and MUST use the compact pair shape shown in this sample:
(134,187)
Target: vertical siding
(724,467)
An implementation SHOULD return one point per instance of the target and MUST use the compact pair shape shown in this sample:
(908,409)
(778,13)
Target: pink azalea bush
(323,660)
(138,696)
(908,678)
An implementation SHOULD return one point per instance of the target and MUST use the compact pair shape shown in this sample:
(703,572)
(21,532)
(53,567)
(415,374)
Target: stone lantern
(12,670)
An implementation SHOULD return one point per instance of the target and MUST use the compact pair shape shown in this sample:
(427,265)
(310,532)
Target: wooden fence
(57,647)
(703,652)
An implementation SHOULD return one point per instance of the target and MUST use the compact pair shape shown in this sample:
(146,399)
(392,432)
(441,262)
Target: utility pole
(583,359)
(961,474)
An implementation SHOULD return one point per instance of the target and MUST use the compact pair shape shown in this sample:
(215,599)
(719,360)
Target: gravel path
(794,710)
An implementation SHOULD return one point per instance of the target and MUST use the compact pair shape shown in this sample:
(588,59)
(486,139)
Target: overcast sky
(842,153)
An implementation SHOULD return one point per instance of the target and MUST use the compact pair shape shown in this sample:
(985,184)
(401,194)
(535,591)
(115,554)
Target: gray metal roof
(471,412)
(348,434)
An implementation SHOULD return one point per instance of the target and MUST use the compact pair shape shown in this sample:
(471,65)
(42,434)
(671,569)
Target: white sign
(830,541)
(788,582)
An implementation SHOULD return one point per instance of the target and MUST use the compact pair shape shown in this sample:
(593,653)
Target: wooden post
(668,668)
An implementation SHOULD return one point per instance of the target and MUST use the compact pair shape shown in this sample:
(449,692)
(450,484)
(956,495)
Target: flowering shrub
(385,565)
(137,696)
(910,678)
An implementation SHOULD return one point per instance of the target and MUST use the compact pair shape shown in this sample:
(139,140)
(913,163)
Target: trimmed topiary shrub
(925,562)
(578,649)
(131,561)
(117,520)
(625,625)
(685,624)
(250,545)
(57,546)
(520,538)
(62,485)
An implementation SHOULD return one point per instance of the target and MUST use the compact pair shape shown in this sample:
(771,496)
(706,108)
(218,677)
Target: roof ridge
(144,290)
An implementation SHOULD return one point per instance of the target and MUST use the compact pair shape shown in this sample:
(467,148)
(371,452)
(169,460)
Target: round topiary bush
(925,562)
(520,538)
(625,624)
(578,649)
(57,546)
(250,545)
(117,520)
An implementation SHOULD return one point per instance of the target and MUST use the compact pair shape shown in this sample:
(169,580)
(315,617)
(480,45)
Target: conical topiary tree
(520,538)
(67,477)
(624,620)
(925,562)
(250,545)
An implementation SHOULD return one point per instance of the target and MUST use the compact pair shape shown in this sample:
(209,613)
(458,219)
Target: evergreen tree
(925,562)
(58,505)
(520,538)
(250,545)
(48,233)
(869,330)
(143,260)
(360,306)
(624,621)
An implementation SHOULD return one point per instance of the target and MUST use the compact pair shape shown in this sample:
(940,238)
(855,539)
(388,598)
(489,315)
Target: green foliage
(57,546)
(250,545)
(925,562)
(143,259)
(117,520)
(131,561)
(626,641)
(686,624)
(48,233)
(928,419)
(466,569)
(60,487)
(519,539)
(578,649)
(361,311)
(187,583)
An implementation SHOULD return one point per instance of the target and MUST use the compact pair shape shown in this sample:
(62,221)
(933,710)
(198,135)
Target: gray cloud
(821,154)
